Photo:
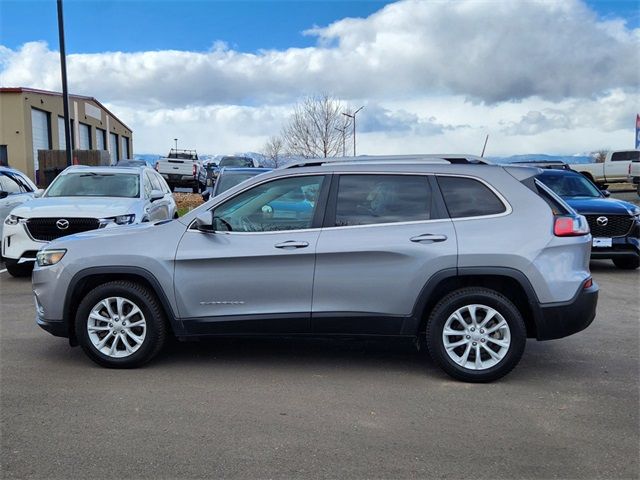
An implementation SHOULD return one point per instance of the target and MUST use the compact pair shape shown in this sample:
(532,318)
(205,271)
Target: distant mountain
(531,157)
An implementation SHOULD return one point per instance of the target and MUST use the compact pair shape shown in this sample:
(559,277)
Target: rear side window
(466,197)
(370,199)
(632,155)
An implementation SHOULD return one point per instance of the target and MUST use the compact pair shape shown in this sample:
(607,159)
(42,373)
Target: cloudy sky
(558,77)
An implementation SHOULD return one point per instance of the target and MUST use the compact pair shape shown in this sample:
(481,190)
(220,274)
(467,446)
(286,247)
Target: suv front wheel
(120,324)
(476,335)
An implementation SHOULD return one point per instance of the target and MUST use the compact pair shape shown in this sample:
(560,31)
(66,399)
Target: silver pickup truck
(180,169)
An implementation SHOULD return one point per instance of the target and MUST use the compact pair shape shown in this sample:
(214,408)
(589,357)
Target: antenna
(486,139)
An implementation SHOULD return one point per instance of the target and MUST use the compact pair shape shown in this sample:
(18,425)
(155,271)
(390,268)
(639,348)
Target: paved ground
(314,408)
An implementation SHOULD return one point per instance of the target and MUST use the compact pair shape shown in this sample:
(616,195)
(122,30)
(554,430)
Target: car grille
(617,225)
(46,229)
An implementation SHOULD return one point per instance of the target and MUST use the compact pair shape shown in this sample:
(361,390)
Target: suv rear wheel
(476,335)
(120,324)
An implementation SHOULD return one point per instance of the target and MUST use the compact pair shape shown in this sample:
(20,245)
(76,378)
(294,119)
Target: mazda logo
(602,221)
(62,224)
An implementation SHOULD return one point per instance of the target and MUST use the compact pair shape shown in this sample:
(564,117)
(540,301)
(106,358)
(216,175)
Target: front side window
(92,184)
(279,205)
(466,197)
(370,199)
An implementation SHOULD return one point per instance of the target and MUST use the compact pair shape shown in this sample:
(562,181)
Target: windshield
(230,180)
(570,186)
(236,162)
(91,184)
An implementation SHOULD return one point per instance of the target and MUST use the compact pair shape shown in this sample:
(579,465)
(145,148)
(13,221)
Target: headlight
(49,257)
(12,220)
(120,219)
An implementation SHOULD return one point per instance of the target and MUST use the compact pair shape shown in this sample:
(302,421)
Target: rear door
(384,236)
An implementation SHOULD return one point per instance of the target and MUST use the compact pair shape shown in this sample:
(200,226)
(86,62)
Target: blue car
(614,224)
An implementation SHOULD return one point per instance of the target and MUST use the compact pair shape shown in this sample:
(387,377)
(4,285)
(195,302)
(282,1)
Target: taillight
(570,226)
(194,169)
(157,167)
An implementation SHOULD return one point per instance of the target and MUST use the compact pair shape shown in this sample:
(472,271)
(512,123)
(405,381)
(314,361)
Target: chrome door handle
(292,244)
(428,237)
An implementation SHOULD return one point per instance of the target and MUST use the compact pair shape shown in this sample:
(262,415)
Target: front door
(255,273)
(384,237)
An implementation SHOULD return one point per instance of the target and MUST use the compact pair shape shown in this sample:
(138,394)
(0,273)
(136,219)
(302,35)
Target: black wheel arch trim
(174,320)
(413,324)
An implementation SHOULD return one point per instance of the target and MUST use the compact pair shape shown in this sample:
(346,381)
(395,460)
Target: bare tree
(600,155)
(274,150)
(316,128)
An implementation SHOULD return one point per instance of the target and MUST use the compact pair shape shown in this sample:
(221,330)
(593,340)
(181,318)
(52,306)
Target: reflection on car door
(378,223)
(257,277)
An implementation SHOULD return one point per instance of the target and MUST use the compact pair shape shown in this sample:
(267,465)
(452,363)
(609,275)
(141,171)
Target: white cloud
(432,74)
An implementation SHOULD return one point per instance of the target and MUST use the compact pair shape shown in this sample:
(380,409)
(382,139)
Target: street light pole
(352,116)
(343,131)
(65,90)
(176,140)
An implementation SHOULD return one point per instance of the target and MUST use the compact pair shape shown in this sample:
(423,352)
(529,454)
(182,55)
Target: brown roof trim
(58,94)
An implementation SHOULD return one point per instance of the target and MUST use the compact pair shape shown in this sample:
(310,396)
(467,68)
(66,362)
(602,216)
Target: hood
(610,206)
(94,207)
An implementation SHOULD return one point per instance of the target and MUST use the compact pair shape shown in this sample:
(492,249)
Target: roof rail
(386,159)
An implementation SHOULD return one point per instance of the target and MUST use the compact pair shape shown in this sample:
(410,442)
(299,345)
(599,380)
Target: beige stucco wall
(12,130)
(15,115)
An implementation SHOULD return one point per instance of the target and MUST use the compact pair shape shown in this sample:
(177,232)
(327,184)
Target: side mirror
(156,195)
(3,194)
(606,193)
(38,193)
(206,195)
(204,222)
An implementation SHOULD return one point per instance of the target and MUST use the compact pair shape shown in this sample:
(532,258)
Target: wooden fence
(52,162)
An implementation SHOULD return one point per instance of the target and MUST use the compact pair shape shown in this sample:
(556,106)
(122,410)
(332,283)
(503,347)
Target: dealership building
(33,120)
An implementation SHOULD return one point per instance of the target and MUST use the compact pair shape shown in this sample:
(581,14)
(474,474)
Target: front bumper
(18,245)
(628,246)
(560,320)
(57,329)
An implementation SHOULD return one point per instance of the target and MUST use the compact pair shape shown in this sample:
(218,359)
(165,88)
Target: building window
(62,141)
(113,146)
(85,136)
(101,141)
(125,147)
(41,134)
(4,157)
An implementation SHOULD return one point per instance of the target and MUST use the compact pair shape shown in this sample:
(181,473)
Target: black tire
(195,188)
(482,296)
(627,263)
(172,187)
(638,188)
(19,270)
(146,301)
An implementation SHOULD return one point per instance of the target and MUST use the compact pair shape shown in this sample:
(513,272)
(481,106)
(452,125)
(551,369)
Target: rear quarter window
(467,197)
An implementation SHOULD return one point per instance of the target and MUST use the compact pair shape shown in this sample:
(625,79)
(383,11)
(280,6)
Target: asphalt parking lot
(312,408)
(318,408)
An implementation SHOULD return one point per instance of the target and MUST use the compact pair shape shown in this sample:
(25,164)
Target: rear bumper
(563,319)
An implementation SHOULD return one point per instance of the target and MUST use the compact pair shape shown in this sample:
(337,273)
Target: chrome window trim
(503,200)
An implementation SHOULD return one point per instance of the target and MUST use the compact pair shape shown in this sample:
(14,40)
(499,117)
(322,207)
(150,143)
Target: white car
(80,199)
(15,189)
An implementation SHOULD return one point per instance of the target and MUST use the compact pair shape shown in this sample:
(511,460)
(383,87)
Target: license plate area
(601,242)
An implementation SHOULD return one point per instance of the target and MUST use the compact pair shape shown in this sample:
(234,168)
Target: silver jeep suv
(469,259)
